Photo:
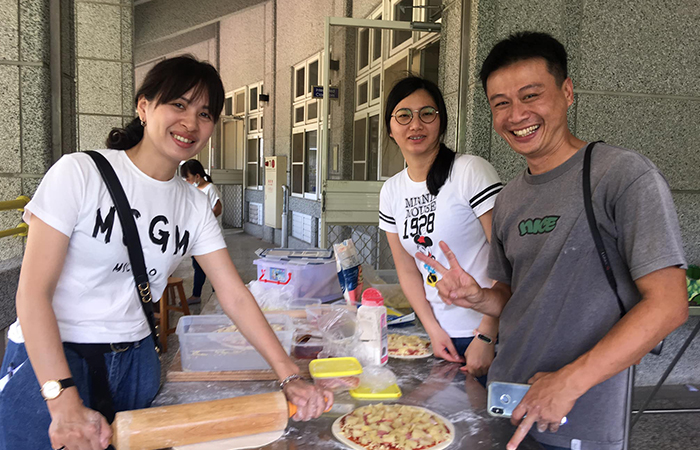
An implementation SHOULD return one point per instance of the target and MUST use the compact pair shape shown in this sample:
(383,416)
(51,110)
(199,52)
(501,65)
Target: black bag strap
(593,225)
(131,236)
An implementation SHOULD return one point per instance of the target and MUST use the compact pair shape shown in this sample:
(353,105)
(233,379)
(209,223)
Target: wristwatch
(484,338)
(53,388)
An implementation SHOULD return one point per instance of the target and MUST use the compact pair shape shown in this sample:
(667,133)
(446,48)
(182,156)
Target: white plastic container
(206,347)
(371,321)
(308,279)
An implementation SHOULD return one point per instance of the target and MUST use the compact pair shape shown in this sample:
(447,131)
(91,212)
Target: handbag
(593,225)
(93,354)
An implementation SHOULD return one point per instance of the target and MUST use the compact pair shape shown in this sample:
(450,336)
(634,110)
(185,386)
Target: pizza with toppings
(393,427)
(408,347)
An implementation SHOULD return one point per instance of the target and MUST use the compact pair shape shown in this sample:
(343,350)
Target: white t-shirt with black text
(422,220)
(95,300)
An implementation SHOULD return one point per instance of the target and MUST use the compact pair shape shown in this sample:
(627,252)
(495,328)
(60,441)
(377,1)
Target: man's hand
(443,346)
(456,286)
(548,401)
(478,356)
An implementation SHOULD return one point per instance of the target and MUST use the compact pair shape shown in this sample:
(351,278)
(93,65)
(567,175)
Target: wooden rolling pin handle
(293,408)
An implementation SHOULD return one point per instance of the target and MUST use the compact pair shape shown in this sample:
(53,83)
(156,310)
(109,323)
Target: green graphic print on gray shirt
(562,304)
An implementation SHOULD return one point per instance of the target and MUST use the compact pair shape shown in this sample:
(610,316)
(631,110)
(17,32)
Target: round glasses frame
(426,114)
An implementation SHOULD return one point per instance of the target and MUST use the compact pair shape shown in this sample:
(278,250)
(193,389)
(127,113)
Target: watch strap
(66,382)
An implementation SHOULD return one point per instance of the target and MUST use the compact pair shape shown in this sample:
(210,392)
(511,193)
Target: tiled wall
(104,69)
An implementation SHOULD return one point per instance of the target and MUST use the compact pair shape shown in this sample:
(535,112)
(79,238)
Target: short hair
(526,45)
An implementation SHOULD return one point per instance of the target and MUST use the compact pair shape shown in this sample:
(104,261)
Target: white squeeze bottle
(371,319)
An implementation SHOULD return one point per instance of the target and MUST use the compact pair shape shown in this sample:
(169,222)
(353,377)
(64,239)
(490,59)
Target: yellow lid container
(365,393)
(334,367)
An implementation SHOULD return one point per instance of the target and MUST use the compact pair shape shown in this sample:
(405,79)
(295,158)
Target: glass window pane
(252,174)
(298,147)
(373,148)
(435,12)
(358,141)
(362,93)
(313,75)
(299,82)
(363,46)
(392,159)
(376,86)
(297,175)
(261,122)
(253,124)
(377,42)
(358,173)
(228,106)
(311,111)
(253,98)
(403,13)
(240,103)
(310,166)
(253,150)
(299,114)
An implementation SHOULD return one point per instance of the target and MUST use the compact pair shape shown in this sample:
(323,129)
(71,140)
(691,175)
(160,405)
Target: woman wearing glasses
(439,196)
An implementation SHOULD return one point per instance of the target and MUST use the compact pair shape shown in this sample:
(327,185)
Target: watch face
(51,389)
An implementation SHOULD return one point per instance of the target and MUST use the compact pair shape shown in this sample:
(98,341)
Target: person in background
(560,322)
(76,292)
(193,172)
(438,196)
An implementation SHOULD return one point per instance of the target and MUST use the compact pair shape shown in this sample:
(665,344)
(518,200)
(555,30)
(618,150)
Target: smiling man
(561,328)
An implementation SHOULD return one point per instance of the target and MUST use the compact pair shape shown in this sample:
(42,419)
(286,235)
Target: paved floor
(667,431)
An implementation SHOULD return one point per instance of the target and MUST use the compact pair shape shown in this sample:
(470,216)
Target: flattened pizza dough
(393,427)
(409,347)
(237,443)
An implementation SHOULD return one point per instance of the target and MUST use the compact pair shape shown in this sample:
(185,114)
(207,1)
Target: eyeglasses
(404,116)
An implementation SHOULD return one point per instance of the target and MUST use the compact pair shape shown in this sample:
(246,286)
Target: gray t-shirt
(562,304)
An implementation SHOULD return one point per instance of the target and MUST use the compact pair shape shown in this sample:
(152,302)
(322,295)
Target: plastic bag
(349,267)
(271,297)
(339,330)
(377,378)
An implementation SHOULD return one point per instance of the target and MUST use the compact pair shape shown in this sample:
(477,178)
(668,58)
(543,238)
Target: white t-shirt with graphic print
(95,300)
(422,220)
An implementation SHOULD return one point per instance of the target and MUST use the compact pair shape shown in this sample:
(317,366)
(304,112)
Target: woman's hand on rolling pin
(75,427)
(311,401)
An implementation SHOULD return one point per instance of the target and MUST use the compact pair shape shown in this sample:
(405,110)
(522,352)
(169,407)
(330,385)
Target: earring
(143,123)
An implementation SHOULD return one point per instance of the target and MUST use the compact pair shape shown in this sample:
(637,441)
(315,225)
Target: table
(434,384)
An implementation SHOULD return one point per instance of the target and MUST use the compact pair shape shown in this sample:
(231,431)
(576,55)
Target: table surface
(431,383)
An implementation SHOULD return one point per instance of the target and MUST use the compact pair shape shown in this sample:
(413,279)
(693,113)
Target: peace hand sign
(456,286)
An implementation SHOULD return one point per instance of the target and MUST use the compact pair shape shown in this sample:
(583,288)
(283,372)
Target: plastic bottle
(371,320)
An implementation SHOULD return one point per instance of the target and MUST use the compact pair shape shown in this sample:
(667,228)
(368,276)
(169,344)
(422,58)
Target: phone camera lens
(497,410)
(505,399)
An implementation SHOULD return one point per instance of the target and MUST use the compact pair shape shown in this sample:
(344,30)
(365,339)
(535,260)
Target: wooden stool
(168,302)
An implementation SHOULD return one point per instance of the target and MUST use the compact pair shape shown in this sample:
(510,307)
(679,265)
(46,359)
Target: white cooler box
(308,279)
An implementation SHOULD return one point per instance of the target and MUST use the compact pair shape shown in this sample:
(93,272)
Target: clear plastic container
(307,347)
(303,303)
(336,374)
(309,279)
(207,346)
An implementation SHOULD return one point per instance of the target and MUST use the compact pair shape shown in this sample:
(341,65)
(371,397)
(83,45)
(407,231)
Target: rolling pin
(192,423)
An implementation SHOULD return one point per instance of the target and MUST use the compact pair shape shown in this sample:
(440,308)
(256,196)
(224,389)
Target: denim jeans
(461,345)
(134,380)
(199,278)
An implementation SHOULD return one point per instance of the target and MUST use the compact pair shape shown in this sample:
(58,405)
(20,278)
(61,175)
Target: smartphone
(504,397)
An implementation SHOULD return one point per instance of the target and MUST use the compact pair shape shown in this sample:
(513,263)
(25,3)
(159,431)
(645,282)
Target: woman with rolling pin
(82,348)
